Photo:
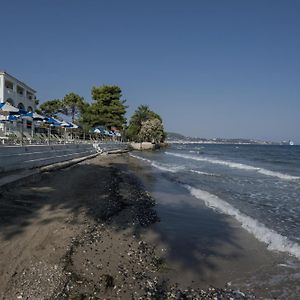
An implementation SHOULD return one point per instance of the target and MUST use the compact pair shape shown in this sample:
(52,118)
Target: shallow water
(256,186)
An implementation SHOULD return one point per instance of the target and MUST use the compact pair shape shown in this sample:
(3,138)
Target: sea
(258,186)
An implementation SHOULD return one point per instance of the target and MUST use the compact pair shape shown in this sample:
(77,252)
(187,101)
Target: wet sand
(92,231)
(209,248)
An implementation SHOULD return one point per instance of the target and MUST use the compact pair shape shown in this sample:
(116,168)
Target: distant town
(173,137)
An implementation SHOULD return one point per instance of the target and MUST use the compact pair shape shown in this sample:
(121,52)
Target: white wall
(1,88)
(6,94)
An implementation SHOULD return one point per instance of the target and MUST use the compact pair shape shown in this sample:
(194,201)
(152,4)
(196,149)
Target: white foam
(203,173)
(277,174)
(237,166)
(274,240)
(162,167)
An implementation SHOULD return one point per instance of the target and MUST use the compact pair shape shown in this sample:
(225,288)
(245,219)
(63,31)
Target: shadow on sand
(192,233)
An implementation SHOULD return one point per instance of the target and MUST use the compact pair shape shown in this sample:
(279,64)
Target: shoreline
(79,232)
(219,249)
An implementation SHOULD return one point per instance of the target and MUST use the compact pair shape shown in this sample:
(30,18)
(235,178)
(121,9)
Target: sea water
(257,185)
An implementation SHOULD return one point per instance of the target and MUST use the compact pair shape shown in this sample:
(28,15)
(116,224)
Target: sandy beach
(84,233)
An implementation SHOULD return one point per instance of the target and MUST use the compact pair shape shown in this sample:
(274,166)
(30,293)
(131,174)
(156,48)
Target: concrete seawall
(33,156)
(147,146)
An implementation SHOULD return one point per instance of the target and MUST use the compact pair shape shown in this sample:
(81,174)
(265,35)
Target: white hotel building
(16,92)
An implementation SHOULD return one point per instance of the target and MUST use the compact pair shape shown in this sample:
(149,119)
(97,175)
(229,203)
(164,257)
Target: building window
(9,85)
(20,90)
(29,96)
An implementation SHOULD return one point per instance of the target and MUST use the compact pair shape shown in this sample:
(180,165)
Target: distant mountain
(171,136)
(180,138)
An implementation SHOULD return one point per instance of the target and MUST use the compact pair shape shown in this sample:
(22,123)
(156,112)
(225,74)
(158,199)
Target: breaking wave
(162,167)
(203,173)
(274,240)
(237,166)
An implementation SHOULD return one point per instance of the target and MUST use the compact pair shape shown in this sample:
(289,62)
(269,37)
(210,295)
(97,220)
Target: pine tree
(108,109)
(73,105)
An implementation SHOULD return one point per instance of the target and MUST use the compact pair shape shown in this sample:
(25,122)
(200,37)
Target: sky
(209,68)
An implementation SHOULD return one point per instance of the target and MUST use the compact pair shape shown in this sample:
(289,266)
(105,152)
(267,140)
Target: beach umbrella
(64,124)
(22,111)
(25,115)
(34,116)
(99,130)
(8,118)
(73,126)
(12,118)
(69,125)
(52,121)
(6,108)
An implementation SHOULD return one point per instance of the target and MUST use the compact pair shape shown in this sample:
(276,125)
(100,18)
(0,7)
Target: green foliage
(73,105)
(152,131)
(51,108)
(107,110)
(141,129)
(86,116)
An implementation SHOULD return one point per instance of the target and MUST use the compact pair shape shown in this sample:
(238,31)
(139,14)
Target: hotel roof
(19,81)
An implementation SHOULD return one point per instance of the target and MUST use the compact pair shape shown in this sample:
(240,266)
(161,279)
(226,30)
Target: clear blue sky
(210,68)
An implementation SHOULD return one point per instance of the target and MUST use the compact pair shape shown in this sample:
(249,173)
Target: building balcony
(10,91)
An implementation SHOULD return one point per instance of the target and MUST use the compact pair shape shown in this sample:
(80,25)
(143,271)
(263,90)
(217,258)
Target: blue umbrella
(6,108)
(52,121)
(13,118)
(33,116)
(22,112)
(69,125)
(98,130)
(9,118)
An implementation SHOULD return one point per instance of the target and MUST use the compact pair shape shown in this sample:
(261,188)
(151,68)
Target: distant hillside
(173,136)
(177,137)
